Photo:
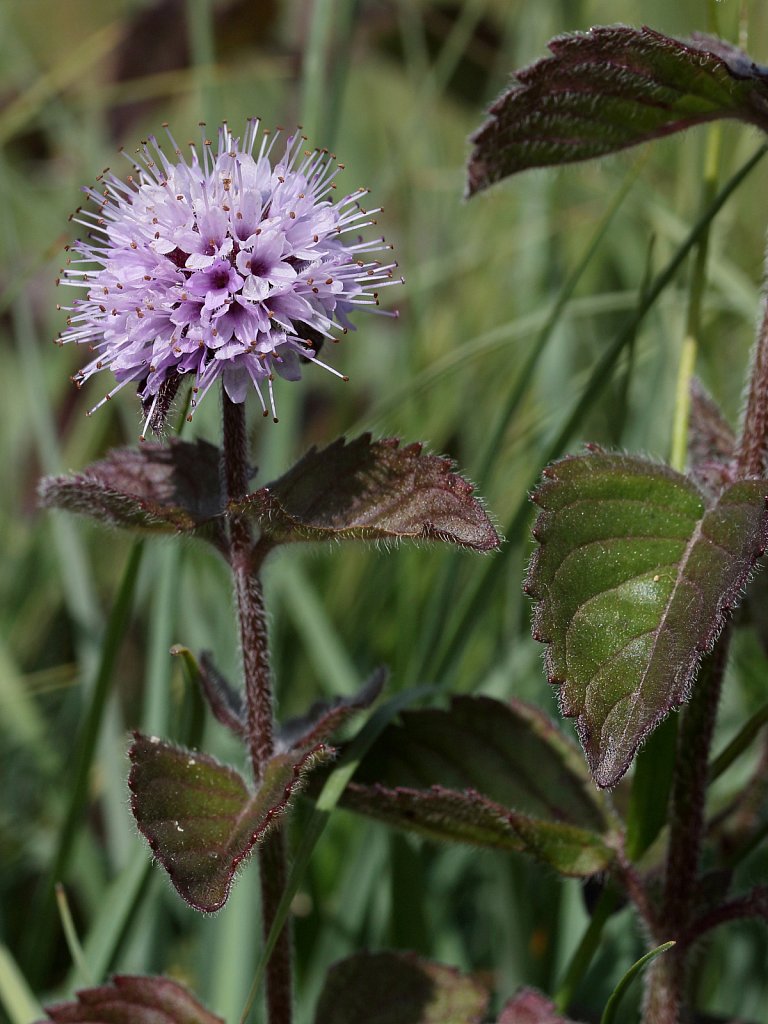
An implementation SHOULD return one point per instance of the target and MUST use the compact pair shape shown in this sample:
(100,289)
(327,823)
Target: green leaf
(610,88)
(155,488)
(199,817)
(392,988)
(634,577)
(531,1007)
(134,999)
(491,774)
(370,490)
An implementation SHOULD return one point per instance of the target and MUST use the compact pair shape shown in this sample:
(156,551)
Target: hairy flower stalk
(259,701)
(227,267)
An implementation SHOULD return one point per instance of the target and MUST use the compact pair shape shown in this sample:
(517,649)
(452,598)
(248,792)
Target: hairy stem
(245,561)
(248,593)
(755,430)
(663,998)
(665,981)
(690,789)
(754,904)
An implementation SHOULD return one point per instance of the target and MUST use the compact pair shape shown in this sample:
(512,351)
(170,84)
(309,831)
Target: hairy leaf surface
(199,816)
(326,716)
(395,988)
(634,577)
(158,488)
(369,490)
(132,998)
(491,774)
(610,88)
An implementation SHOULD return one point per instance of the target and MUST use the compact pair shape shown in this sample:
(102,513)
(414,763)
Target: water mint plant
(222,269)
(643,582)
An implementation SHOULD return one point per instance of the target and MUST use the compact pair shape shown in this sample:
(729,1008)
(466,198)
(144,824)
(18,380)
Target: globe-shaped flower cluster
(224,267)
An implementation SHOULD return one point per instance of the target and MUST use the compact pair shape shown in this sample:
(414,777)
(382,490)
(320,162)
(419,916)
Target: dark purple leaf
(491,774)
(711,441)
(635,576)
(531,1007)
(160,488)
(199,817)
(399,988)
(325,717)
(131,999)
(225,701)
(610,88)
(367,490)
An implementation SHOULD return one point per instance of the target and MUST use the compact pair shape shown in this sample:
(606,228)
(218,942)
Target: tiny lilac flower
(222,268)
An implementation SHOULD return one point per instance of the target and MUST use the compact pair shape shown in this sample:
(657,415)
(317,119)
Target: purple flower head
(225,267)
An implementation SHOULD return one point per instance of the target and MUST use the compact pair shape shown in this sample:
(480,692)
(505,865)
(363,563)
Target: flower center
(219,277)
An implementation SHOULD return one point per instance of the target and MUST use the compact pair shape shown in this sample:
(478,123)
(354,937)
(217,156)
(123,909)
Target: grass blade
(42,934)
(118,908)
(609,1013)
(15,995)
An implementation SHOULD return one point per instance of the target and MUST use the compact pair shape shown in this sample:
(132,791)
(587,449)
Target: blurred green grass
(394,87)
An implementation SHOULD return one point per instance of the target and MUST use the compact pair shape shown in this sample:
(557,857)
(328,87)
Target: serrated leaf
(199,816)
(610,88)
(325,717)
(131,999)
(369,490)
(531,1007)
(157,488)
(634,578)
(395,988)
(491,774)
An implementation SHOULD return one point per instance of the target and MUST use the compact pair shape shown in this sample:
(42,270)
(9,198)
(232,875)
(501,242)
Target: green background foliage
(394,87)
